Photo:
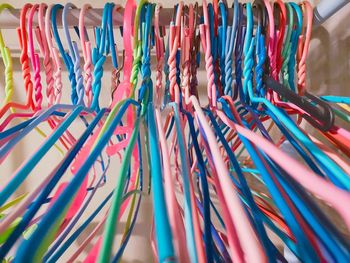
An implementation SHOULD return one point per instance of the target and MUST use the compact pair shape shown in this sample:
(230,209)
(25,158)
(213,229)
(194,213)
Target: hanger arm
(319,113)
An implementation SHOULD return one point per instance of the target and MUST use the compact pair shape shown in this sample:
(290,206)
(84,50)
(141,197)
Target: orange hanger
(22,35)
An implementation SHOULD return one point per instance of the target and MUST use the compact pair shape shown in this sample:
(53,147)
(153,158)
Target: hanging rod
(327,8)
(10,19)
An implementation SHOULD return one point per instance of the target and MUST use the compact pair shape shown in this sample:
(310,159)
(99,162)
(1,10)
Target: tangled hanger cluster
(219,179)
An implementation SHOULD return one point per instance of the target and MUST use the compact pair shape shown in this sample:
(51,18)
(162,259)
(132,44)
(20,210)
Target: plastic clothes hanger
(209,65)
(6,57)
(175,219)
(289,7)
(174,42)
(15,115)
(256,214)
(113,48)
(291,126)
(73,57)
(282,18)
(22,173)
(222,30)
(224,175)
(160,49)
(86,48)
(67,59)
(48,186)
(35,60)
(114,148)
(193,238)
(98,58)
(194,243)
(286,51)
(106,245)
(327,114)
(54,53)
(51,218)
(188,34)
(114,111)
(247,45)
(313,224)
(25,68)
(303,49)
(230,43)
(308,183)
(24,57)
(45,52)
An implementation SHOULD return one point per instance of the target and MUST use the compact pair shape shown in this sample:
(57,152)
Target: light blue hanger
(68,61)
(230,42)
(205,190)
(187,195)
(98,58)
(74,55)
(112,44)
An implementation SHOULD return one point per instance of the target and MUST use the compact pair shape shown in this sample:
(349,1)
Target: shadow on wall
(329,57)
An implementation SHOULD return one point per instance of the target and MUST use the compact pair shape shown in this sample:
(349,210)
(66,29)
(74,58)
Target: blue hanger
(162,226)
(230,42)
(68,61)
(74,56)
(111,41)
(98,58)
(239,53)
(222,38)
(186,177)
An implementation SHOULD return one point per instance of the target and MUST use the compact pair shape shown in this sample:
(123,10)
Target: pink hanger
(124,87)
(252,249)
(173,206)
(45,52)
(280,33)
(35,60)
(209,67)
(186,47)
(57,76)
(159,43)
(271,43)
(304,44)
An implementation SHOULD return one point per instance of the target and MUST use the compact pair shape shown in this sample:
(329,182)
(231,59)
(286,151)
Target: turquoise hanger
(98,58)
